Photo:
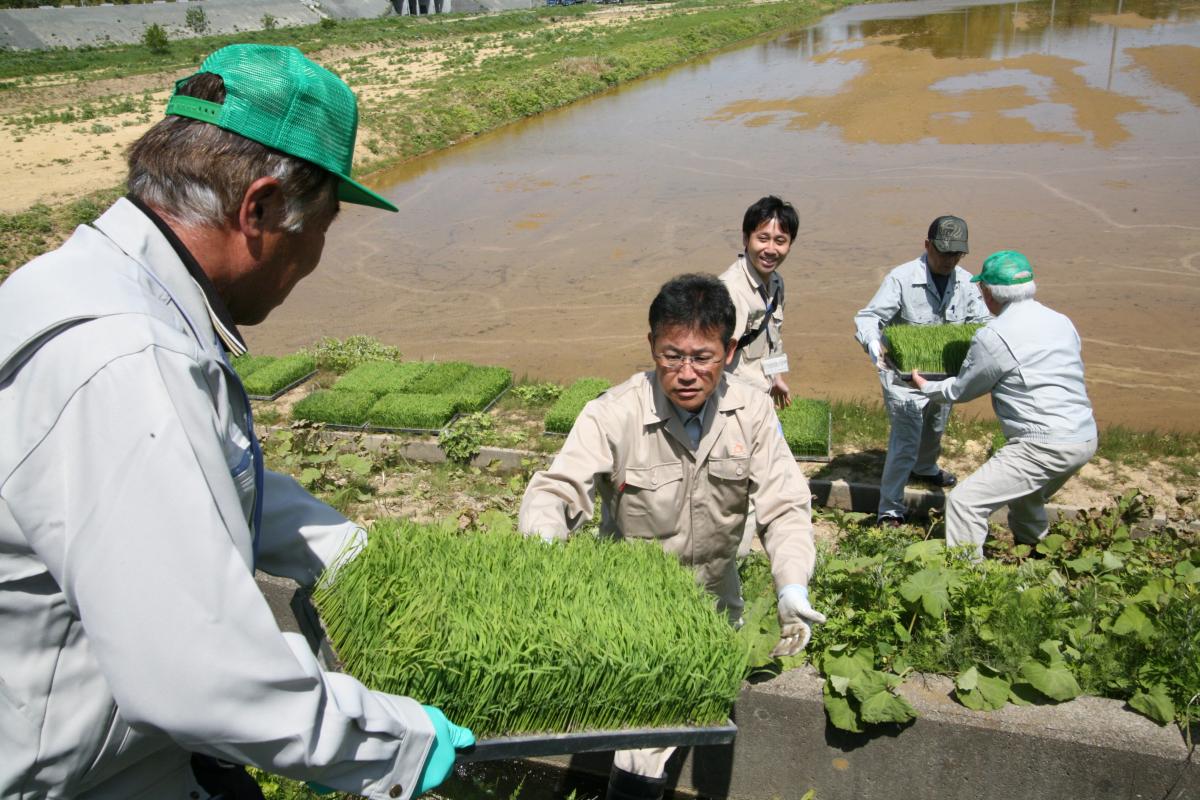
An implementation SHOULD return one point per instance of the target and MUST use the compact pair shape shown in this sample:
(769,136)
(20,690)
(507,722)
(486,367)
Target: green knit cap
(279,98)
(1005,268)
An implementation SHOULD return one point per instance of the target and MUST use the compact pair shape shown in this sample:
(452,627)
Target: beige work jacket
(631,445)
(749,307)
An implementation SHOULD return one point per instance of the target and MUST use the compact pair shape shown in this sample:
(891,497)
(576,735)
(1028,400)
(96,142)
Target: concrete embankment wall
(81,26)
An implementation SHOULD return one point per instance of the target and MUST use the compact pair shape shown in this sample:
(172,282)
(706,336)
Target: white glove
(796,618)
(875,351)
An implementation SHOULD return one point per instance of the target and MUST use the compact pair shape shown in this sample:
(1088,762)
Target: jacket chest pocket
(729,480)
(650,500)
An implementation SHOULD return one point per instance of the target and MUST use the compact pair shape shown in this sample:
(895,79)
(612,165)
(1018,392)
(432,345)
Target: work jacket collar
(925,278)
(210,306)
(756,284)
(661,411)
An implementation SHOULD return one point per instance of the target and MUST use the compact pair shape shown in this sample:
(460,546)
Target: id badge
(774,365)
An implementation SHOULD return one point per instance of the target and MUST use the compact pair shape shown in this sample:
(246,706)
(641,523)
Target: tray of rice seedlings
(345,409)
(539,649)
(441,377)
(479,389)
(411,413)
(382,377)
(935,351)
(246,364)
(566,408)
(281,375)
(807,428)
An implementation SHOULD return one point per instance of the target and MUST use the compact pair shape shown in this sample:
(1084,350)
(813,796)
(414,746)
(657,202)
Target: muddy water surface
(1067,130)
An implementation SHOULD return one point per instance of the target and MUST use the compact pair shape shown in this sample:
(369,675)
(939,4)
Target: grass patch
(421,411)
(590,634)
(562,414)
(246,364)
(806,427)
(269,378)
(929,348)
(479,387)
(382,377)
(336,408)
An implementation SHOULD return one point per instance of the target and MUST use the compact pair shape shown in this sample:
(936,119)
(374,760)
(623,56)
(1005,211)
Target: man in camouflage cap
(928,290)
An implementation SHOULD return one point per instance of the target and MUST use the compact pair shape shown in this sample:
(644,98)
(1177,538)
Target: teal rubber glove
(449,737)
(317,788)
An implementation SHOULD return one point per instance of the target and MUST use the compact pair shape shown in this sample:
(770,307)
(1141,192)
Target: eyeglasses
(675,361)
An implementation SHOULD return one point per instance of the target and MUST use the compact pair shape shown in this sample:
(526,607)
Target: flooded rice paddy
(1067,130)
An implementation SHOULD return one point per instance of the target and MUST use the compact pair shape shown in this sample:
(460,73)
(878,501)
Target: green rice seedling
(279,374)
(382,377)
(479,387)
(509,635)
(806,427)
(417,411)
(246,364)
(929,348)
(562,414)
(336,408)
(442,377)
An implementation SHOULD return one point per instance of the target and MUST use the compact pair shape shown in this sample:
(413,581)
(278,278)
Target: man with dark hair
(138,659)
(1029,358)
(677,454)
(769,227)
(929,290)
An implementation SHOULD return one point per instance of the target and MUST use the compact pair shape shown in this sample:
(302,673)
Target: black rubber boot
(624,785)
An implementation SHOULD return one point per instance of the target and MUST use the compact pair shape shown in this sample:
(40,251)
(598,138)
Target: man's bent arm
(560,499)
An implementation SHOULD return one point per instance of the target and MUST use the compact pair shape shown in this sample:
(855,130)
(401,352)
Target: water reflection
(978,75)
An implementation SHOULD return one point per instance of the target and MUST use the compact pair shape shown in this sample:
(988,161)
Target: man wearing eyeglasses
(677,453)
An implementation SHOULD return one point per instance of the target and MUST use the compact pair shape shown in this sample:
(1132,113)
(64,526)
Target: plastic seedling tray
(531,745)
(282,391)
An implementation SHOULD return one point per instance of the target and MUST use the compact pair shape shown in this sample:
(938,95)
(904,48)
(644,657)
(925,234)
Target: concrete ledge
(1086,749)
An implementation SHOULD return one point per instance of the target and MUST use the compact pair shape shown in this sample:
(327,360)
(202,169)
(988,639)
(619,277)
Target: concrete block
(1086,749)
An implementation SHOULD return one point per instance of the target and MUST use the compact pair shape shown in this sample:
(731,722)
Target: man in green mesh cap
(138,658)
(1029,359)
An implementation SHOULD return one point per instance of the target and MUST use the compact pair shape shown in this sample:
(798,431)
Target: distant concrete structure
(96,26)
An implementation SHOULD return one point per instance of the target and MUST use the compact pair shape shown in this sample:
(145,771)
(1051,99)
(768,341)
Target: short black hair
(694,301)
(768,208)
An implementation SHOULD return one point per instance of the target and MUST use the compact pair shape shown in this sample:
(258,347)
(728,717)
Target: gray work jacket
(133,632)
(1029,359)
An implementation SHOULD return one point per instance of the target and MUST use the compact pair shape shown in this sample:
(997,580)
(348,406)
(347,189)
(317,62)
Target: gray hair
(197,173)
(1012,294)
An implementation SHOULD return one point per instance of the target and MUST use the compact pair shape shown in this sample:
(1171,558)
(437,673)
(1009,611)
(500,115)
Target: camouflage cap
(949,234)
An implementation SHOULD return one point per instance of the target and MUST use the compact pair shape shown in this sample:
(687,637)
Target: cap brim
(977,278)
(351,191)
(944,246)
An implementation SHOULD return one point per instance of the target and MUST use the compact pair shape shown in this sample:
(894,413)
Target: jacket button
(740,470)
(396,791)
(654,481)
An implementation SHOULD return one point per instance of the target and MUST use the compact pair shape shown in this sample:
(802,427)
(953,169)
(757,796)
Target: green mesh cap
(277,97)
(1005,268)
